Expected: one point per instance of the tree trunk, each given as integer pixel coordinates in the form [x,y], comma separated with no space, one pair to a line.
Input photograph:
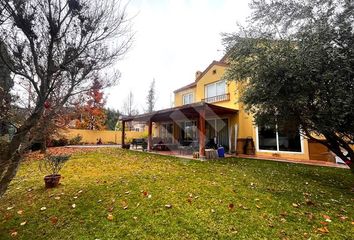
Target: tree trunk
[8,171]
[336,144]
[10,160]
[11,154]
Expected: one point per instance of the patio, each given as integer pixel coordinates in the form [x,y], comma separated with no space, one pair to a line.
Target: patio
[178,154]
[191,137]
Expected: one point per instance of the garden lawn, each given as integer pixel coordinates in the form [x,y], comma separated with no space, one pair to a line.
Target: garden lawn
[122,194]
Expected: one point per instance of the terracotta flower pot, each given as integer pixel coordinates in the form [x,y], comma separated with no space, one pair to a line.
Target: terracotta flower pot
[52,181]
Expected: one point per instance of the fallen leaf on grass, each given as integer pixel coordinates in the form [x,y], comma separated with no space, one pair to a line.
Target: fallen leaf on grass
[311,216]
[73,206]
[168,206]
[9,208]
[284,214]
[8,216]
[23,223]
[57,198]
[20,212]
[343,218]
[258,207]
[327,218]
[110,217]
[212,210]
[43,208]
[54,220]
[295,205]
[13,234]
[323,230]
[231,206]
[309,202]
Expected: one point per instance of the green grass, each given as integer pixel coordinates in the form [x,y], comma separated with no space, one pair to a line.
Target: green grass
[270,200]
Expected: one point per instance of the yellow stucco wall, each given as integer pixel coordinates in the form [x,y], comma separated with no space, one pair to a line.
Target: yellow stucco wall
[179,96]
[214,74]
[90,136]
[243,120]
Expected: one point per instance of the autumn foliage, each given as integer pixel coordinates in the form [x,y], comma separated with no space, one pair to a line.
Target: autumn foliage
[92,115]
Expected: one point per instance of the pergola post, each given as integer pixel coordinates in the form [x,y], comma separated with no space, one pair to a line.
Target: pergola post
[150,136]
[123,133]
[201,128]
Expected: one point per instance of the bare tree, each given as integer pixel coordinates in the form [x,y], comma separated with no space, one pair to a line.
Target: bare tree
[151,97]
[129,106]
[58,46]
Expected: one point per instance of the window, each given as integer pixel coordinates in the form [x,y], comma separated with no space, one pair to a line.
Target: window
[285,138]
[215,89]
[166,131]
[189,130]
[267,138]
[187,98]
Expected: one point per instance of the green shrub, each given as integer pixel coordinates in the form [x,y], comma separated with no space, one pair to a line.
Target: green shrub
[52,164]
[63,141]
[75,140]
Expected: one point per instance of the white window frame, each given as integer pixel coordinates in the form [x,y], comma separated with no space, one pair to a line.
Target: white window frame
[214,83]
[190,97]
[277,141]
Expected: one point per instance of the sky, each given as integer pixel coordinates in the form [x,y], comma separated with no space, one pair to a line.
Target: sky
[173,39]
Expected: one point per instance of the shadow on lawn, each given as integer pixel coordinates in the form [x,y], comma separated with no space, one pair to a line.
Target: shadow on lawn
[336,178]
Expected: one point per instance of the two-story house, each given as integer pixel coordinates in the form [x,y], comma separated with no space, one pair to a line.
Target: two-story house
[208,113]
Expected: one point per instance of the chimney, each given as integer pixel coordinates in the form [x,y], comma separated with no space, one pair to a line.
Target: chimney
[197,74]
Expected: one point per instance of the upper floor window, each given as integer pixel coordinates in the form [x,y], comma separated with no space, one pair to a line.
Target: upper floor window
[215,89]
[187,98]
[216,92]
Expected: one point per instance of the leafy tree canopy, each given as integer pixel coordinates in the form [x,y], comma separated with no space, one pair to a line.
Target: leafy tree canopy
[296,61]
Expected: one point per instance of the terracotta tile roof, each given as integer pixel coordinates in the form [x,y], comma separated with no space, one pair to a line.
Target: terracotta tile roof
[219,63]
[193,84]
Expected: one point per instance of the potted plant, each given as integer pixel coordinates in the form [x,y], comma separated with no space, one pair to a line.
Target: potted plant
[53,164]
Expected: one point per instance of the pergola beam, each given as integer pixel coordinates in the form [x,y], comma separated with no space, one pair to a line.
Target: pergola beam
[149,135]
[123,133]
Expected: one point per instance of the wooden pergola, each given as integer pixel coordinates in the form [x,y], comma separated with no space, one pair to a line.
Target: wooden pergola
[200,111]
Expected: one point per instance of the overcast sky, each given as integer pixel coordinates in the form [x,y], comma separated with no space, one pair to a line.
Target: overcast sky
[173,40]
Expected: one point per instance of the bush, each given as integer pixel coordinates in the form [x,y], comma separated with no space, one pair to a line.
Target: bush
[75,140]
[59,142]
[52,164]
